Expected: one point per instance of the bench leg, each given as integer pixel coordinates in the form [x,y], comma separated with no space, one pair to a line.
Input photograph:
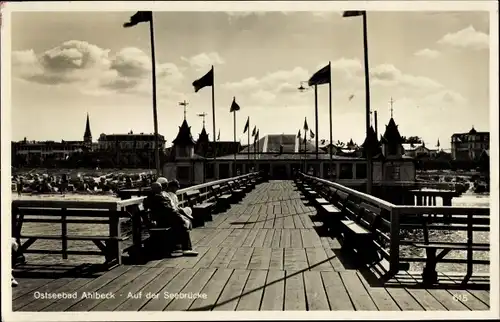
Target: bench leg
[208,215]
[368,251]
[429,274]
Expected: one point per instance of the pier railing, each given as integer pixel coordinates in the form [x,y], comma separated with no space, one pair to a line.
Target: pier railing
[413,226]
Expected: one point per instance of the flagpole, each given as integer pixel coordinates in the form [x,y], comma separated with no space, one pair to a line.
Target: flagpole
[155,113]
[305,152]
[255,151]
[248,139]
[234,133]
[258,146]
[300,148]
[213,114]
[367,99]
[330,109]
[316,118]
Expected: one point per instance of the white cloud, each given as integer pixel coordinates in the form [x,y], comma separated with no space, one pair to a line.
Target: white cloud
[466,38]
[427,53]
[447,97]
[389,75]
[203,61]
[94,70]
[347,77]
[245,13]
[283,80]
[263,96]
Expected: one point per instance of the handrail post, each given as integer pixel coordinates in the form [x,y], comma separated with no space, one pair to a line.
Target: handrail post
[394,244]
[64,234]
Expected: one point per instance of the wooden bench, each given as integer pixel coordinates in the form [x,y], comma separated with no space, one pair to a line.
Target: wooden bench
[202,210]
[236,191]
[310,193]
[222,197]
[246,184]
[359,231]
[429,274]
[110,245]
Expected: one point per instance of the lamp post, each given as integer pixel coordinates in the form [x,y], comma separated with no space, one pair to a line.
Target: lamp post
[302,89]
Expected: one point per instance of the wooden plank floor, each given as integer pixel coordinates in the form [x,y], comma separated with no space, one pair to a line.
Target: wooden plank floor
[265,253]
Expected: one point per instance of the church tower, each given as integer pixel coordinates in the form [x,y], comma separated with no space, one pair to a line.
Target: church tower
[87,136]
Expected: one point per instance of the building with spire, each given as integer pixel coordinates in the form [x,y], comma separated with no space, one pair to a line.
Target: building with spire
[48,153]
[183,162]
[392,164]
[87,135]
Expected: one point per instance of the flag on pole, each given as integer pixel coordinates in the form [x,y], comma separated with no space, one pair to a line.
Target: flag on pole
[218,136]
[353,13]
[247,125]
[254,132]
[234,106]
[138,17]
[206,80]
[322,76]
[311,134]
[306,127]
[299,134]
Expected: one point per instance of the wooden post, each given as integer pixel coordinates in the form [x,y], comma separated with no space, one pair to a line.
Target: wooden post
[113,246]
[64,234]
[394,243]
[470,234]
[447,202]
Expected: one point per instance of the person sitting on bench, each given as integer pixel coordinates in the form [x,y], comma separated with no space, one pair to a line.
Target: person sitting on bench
[184,218]
[15,246]
[166,213]
[164,183]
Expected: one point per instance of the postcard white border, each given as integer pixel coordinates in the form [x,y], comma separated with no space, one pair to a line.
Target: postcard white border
[491,6]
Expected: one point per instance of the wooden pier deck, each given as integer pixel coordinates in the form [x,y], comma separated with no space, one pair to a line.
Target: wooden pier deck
[265,253]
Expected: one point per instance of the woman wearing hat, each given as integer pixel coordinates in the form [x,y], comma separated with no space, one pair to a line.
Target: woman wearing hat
[166,212]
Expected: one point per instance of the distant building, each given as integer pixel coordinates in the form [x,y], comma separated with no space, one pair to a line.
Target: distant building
[36,153]
[279,155]
[416,150]
[393,165]
[28,151]
[129,142]
[470,145]
[110,150]
[183,163]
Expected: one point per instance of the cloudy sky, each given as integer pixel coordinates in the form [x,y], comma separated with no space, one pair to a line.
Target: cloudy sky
[68,64]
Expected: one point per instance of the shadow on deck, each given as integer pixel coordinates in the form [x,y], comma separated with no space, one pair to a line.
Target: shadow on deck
[266,253]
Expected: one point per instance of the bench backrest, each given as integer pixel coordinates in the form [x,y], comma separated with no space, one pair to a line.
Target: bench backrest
[369,215]
[342,196]
[192,197]
[225,188]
